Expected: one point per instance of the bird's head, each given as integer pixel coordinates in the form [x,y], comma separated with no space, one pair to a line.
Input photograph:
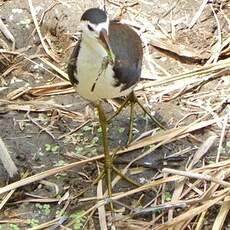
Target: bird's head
[95,24]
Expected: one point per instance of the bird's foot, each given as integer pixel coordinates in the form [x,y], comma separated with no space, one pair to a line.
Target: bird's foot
[106,174]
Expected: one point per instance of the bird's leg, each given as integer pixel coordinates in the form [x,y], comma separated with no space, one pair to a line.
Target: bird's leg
[108,159]
[131,122]
[124,103]
[108,163]
[133,99]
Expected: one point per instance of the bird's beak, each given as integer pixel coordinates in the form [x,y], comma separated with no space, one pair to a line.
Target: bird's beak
[105,41]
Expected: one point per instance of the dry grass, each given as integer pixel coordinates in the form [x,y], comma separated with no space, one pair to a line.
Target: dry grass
[202,187]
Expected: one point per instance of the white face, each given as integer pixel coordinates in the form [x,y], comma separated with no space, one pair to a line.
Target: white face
[93,30]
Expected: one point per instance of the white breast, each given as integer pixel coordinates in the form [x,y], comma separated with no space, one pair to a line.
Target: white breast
[90,72]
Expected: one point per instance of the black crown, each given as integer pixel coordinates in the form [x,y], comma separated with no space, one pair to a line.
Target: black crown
[94,15]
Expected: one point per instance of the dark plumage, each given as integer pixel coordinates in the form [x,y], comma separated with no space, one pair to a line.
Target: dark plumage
[72,66]
[128,55]
[94,16]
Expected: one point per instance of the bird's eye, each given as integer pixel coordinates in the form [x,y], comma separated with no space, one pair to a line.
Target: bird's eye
[90,28]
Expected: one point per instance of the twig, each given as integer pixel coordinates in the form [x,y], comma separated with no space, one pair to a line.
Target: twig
[191,213]
[49,53]
[50,7]
[169,11]
[218,45]
[75,130]
[206,145]
[225,122]
[39,126]
[7,33]
[197,15]
[161,207]
[6,159]
[197,176]
[101,209]
[6,198]
[202,72]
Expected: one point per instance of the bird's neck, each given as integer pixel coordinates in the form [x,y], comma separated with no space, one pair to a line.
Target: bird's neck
[93,45]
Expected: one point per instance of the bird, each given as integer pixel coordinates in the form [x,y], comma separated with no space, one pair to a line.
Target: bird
[106,63]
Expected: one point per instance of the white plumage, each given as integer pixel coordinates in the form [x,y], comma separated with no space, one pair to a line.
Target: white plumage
[89,68]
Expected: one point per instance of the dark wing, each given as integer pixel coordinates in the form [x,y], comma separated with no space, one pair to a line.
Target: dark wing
[72,65]
[127,48]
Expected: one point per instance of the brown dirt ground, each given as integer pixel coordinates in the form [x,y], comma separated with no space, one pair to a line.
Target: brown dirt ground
[35,150]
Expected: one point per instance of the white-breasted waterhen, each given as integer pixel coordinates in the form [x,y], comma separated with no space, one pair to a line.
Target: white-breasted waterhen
[106,63]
